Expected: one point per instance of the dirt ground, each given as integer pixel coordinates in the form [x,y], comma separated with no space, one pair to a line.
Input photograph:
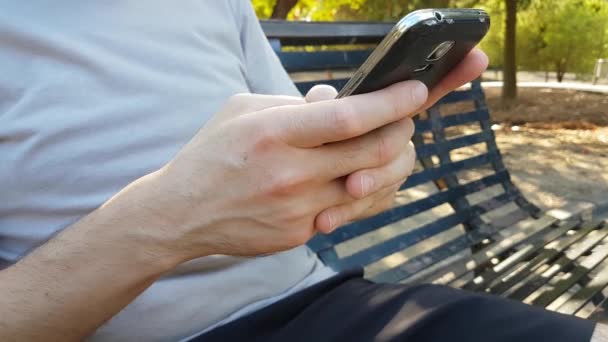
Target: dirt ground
[555,143]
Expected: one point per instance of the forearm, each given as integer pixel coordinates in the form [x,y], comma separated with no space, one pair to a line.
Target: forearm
[69,286]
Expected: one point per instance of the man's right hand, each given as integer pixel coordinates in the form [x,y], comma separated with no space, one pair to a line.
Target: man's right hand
[270,171]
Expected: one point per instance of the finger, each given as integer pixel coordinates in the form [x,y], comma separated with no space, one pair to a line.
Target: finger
[321,92]
[323,195]
[318,123]
[384,201]
[246,102]
[372,150]
[240,104]
[466,71]
[331,218]
[365,182]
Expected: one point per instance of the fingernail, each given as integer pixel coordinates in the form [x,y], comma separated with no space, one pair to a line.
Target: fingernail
[367,183]
[331,220]
[419,93]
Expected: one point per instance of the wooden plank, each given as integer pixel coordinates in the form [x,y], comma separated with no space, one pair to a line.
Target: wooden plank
[325,33]
[518,235]
[590,290]
[580,269]
[599,312]
[540,278]
[516,275]
[508,264]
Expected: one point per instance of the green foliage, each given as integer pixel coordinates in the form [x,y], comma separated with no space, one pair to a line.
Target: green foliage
[552,35]
[263,8]
[563,35]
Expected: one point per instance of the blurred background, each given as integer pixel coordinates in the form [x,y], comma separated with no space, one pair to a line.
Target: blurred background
[546,86]
[556,39]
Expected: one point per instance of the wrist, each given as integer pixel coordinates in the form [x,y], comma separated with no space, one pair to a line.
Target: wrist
[165,220]
[142,223]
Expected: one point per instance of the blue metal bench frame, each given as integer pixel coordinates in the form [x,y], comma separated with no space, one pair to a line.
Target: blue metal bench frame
[518,268]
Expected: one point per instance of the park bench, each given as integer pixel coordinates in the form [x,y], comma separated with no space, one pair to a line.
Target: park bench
[458,219]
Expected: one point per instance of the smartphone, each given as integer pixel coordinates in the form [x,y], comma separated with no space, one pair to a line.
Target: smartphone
[425,45]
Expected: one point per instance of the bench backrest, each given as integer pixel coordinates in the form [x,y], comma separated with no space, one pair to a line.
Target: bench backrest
[460,196]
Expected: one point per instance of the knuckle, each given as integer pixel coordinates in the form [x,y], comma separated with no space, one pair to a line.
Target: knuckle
[297,123]
[284,183]
[386,148]
[343,119]
[262,139]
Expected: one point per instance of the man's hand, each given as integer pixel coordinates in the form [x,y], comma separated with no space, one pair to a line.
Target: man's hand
[269,172]
[269,178]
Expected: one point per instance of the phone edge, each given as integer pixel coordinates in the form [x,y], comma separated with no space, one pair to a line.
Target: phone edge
[404,25]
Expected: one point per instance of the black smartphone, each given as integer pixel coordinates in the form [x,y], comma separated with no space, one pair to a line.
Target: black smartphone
[425,45]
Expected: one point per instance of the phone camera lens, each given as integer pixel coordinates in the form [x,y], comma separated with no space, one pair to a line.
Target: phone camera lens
[440,51]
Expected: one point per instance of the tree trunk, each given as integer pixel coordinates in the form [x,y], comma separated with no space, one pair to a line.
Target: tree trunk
[509,89]
[282,8]
[559,71]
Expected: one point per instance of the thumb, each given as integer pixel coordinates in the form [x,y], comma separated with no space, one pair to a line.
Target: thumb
[321,92]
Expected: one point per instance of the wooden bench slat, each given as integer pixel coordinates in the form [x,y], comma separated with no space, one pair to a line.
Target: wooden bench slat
[508,264]
[518,236]
[513,277]
[323,60]
[440,171]
[588,292]
[579,270]
[540,277]
[427,150]
[325,33]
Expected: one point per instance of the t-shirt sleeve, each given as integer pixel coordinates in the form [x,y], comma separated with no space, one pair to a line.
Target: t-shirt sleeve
[264,72]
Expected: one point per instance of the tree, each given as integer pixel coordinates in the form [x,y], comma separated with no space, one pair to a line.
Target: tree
[282,8]
[509,88]
[564,35]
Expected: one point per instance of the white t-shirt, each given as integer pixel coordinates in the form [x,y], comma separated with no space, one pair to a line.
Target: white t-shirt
[95,94]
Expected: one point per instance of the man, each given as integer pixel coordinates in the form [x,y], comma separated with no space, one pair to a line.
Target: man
[142,200]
